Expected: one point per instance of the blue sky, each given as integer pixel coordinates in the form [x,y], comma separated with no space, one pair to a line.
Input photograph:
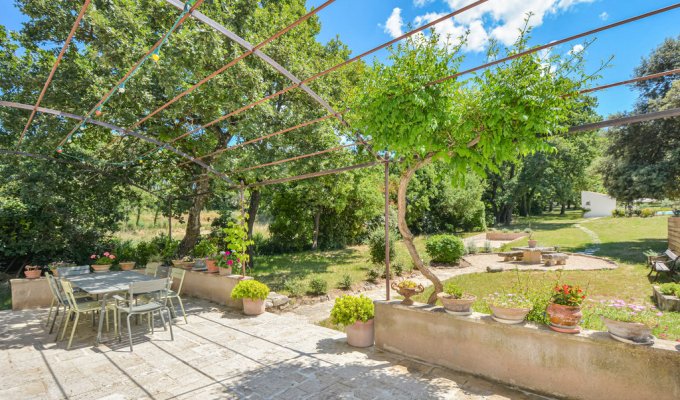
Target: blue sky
[362,24]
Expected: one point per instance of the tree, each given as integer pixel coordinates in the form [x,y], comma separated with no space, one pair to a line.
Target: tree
[491,118]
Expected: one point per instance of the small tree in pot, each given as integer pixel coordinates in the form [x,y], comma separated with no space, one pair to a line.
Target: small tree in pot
[564,309]
[356,314]
[455,301]
[253,294]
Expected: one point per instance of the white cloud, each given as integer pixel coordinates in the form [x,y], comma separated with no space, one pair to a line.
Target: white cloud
[394,23]
[604,16]
[421,3]
[450,33]
[576,49]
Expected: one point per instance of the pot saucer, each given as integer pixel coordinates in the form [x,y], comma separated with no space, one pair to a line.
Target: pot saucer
[459,313]
[564,329]
[507,321]
[649,342]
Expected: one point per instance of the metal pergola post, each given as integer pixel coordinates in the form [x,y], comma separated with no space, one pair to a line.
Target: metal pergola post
[387,227]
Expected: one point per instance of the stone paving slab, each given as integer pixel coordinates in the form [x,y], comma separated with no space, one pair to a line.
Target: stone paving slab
[220,354]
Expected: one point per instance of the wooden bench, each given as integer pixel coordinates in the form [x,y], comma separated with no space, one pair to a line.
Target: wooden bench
[669,266]
[555,258]
[510,255]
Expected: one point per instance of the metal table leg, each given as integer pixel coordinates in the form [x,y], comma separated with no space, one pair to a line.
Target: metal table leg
[101,320]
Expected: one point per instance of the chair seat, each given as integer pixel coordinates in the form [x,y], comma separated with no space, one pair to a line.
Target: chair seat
[87,306]
[142,308]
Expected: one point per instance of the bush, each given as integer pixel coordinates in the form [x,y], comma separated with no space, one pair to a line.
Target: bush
[125,251]
[445,248]
[488,248]
[637,212]
[345,283]
[618,212]
[472,248]
[372,275]
[397,267]
[383,273]
[376,245]
[145,251]
[318,286]
[250,289]
[349,309]
[670,289]
[295,287]
[205,248]
[647,212]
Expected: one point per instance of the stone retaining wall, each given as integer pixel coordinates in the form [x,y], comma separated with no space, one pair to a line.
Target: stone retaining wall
[495,235]
[674,234]
[590,365]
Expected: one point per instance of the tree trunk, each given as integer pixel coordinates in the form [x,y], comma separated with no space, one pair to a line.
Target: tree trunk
[550,205]
[155,216]
[193,230]
[253,206]
[562,209]
[317,219]
[406,232]
[139,214]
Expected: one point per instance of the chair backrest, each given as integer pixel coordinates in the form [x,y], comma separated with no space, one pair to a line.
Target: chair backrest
[156,286]
[68,294]
[178,273]
[73,271]
[55,289]
[151,269]
[672,256]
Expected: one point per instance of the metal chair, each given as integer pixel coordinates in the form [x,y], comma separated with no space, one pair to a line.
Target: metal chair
[177,273]
[156,289]
[64,272]
[76,308]
[151,269]
[59,300]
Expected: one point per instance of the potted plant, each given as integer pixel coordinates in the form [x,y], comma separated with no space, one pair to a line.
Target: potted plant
[32,271]
[226,261]
[53,266]
[356,314]
[407,289]
[630,323]
[102,263]
[126,255]
[564,310]
[509,308]
[532,242]
[211,263]
[455,301]
[206,250]
[253,294]
[186,262]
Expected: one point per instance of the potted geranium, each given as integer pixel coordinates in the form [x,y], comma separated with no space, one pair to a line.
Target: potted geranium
[53,266]
[253,294]
[455,301]
[32,271]
[356,314]
[564,310]
[226,261]
[630,323]
[509,308]
[407,289]
[102,263]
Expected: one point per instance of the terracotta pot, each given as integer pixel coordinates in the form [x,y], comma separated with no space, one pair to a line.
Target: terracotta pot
[33,273]
[360,334]
[564,319]
[127,265]
[630,332]
[533,243]
[253,306]
[101,268]
[457,306]
[407,292]
[509,315]
[212,266]
[225,271]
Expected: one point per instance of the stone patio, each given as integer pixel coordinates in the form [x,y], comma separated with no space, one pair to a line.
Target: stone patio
[220,354]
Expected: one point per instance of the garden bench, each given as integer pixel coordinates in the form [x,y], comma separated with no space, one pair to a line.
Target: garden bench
[555,258]
[668,266]
[509,255]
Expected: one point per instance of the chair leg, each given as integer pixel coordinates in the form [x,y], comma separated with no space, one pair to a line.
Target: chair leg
[73,331]
[172,337]
[181,305]
[63,331]
[129,331]
[106,316]
[160,312]
[149,318]
[173,314]
[64,319]
[50,313]
[120,325]
[56,315]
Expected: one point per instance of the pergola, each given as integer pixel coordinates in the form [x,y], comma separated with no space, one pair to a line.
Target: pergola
[190,10]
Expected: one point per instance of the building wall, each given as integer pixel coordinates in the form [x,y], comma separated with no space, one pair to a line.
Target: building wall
[674,234]
[600,205]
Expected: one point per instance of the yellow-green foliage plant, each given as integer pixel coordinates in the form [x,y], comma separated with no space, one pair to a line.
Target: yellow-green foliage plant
[349,309]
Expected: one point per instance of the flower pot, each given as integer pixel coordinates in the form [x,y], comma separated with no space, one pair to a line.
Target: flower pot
[564,319]
[360,334]
[407,292]
[212,266]
[33,273]
[629,332]
[127,265]
[533,243]
[101,268]
[457,306]
[253,306]
[225,271]
[509,315]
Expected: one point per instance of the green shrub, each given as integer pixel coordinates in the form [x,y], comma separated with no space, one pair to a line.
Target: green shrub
[125,251]
[670,289]
[349,309]
[295,287]
[453,290]
[637,212]
[618,212]
[345,282]
[383,272]
[250,289]
[488,248]
[318,286]
[647,212]
[472,248]
[372,275]
[376,245]
[205,248]
[145,252]
[397,267]
[445,248]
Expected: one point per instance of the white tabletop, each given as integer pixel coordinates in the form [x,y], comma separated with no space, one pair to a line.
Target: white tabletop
[107,282]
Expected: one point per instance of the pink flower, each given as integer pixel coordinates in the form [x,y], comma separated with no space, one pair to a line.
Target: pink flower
[659,314]
[230,262]
[226,253]
[112,257]
[93,256]
[106,254]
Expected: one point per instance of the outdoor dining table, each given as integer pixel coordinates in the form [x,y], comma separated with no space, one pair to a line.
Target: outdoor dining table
[532,255]
[104,284]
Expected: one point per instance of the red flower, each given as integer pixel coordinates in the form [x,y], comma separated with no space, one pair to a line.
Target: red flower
[230,262]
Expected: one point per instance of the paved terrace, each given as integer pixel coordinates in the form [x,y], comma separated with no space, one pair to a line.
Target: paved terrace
[220,354]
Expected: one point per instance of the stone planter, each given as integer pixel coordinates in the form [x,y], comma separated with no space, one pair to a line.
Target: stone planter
[101,268]
[127,265]
[211,265]
[533,243]
[407,292]
[564,319]
[253,306]
[629,332]
[360,334]
[665,302]
[188,265]
[509,315]
[457,306]
[225,271]
[32,273]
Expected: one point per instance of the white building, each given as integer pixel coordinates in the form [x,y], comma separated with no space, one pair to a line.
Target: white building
[598,204]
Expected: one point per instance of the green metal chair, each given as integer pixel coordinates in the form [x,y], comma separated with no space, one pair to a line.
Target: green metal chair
[177,273]
[59,300]
[151,269]
[76,308]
